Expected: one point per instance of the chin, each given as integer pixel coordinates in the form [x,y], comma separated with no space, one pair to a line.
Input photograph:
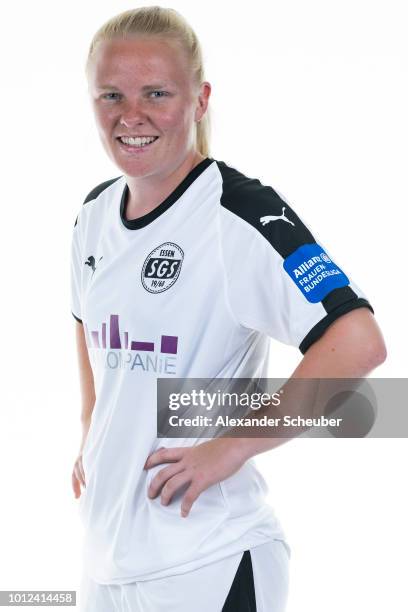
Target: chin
[137,170]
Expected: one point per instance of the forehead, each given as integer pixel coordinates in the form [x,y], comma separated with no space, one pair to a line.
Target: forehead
[141,57]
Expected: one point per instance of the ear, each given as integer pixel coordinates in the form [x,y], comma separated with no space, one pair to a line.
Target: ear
[202,100]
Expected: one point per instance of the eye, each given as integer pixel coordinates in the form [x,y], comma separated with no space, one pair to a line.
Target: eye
[105,96]
[162,93]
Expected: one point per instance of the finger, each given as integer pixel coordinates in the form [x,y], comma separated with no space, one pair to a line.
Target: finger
[173,485]
[76,486]
[81,469]
[78,473]
[164,455]
[151,455]
[162,477]
[189,498]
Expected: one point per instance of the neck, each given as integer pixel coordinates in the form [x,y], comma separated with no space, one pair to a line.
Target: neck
[145,194]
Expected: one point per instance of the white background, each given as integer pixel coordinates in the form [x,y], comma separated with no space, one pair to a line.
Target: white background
[310,97]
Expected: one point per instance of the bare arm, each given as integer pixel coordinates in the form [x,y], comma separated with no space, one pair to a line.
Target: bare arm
[88,402]
[86,381]
[350,348]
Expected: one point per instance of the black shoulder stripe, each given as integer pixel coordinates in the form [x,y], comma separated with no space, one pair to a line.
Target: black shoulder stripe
[96,191]
[99,188]
[264,209]
[76,318]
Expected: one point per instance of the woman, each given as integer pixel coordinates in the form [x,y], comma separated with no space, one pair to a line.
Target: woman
[183,267]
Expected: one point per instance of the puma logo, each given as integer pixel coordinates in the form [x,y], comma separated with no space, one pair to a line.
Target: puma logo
[91,263]
[269,218]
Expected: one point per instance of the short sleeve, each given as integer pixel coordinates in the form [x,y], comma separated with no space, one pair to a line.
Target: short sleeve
[76,272]
[79,239]
[280,279]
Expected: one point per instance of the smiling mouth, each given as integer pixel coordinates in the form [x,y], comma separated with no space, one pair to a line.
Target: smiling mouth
[137,141]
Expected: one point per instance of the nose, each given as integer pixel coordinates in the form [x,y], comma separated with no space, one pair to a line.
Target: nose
[133,114]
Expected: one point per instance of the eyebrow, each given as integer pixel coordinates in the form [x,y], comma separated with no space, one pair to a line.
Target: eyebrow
[144,88]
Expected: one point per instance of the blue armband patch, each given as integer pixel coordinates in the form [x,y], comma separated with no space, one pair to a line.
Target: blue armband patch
[314,272]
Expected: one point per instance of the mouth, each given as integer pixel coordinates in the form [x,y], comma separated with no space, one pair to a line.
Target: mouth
[136,142]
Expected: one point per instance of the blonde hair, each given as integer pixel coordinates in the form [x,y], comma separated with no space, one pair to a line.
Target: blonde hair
[167,23]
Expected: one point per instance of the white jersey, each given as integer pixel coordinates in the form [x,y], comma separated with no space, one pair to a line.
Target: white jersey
[193,289]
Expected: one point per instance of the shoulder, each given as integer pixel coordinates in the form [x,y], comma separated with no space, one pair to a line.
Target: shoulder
[262,208]
[96,192]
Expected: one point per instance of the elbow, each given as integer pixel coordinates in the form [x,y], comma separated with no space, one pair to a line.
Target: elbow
[379,353]
[373,353]
[366,337]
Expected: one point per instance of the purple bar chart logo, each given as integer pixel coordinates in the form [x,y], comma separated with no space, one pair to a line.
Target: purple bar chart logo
[98,339]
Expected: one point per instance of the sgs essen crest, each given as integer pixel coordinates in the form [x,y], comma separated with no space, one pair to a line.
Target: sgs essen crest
[162,267]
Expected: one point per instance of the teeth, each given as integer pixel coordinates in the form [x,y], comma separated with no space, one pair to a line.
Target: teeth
[137,142]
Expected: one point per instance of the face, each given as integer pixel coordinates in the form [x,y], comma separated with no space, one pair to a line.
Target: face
[143,87]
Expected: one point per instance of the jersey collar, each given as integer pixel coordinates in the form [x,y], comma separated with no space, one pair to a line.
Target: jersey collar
[140,222]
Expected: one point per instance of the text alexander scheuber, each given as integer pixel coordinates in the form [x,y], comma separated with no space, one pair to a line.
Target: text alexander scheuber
[254,401]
